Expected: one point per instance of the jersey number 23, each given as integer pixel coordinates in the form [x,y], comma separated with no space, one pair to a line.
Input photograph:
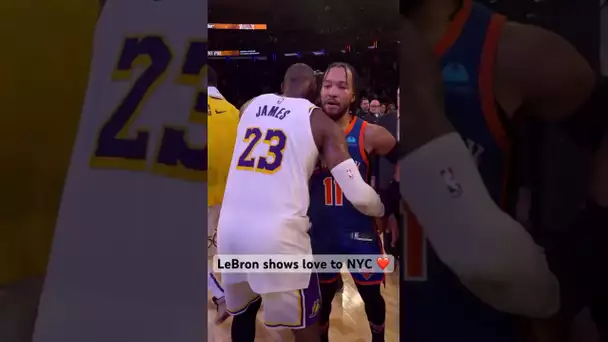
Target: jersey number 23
[175,156]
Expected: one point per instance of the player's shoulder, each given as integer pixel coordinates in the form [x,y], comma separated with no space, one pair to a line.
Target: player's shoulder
[542,65]
[528,36]
[372,129]
[528,45]
[231,107]
[280,100]
[262,98]
[377,136]
[266,96]
[248,103]
[303,104]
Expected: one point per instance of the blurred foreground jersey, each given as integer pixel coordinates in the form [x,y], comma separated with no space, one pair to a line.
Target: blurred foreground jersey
[46,48]
[437,306]
[128,257]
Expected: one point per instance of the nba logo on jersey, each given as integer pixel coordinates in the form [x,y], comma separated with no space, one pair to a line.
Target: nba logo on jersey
[351,141]
[350,174]
[453,186]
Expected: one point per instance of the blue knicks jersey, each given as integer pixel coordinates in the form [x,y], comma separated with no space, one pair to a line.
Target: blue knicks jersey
[437,307]
[332,216]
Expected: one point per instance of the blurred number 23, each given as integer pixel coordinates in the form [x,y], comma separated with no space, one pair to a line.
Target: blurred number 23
[175,156]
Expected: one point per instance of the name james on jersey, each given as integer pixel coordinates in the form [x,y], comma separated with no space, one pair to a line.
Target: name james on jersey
[274,111]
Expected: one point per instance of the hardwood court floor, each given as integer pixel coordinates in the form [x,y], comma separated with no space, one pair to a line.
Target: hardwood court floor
[348,322]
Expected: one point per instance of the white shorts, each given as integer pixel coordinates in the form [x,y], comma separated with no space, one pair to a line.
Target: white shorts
[296,309]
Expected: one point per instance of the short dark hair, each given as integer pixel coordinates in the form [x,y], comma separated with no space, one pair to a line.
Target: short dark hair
[212,79]
[347,67]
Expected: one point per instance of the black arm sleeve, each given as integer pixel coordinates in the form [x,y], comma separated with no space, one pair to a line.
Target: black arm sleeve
[374,162]
[391,198]
[396,153]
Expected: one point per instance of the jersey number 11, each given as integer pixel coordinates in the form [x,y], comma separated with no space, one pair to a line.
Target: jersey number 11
[333,193]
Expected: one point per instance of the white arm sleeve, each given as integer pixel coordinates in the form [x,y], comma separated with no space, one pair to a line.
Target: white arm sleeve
[492,254]
[214,286]
[360,194]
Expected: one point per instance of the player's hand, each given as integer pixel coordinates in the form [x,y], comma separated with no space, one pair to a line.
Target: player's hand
[222,311]
[388,224]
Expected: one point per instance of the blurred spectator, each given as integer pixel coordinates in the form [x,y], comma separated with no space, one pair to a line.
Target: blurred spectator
[363,107]
[375,108]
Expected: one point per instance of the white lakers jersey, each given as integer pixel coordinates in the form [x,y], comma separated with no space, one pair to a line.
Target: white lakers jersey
[127,260]
[266,198]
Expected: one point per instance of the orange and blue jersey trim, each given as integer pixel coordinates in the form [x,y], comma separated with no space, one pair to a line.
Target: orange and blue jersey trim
[454,29]
[362,145]
[350,126]
[488,98]
[362,150]
[415,263]
[486,79]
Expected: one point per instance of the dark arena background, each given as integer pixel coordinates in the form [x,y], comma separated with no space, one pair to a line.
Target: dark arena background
[252,61]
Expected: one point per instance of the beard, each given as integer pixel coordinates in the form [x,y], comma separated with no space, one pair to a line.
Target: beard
[335,111]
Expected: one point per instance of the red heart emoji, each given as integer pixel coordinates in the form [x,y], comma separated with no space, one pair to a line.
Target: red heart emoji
[383,262]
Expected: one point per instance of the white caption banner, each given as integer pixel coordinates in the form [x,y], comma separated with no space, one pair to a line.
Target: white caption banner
[320,263]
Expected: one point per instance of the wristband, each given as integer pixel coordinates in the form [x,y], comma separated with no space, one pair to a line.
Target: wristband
[391,198]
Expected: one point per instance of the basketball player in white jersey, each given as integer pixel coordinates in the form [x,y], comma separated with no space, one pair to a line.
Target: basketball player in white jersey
[222,120]
[127,262]
[279,140]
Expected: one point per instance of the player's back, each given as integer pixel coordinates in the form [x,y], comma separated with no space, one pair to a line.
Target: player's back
[274,156]
[223,121]
[134,199]
[44,67]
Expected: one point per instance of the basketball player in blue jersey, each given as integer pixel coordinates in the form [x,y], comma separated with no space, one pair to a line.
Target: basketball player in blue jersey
[337,226]
[313,135]
[480,287]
